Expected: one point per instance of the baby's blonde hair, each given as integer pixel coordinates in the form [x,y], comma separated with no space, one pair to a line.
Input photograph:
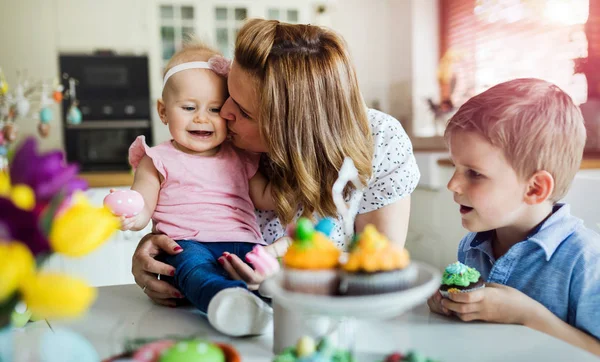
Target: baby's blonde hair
[193,50]
[535,124]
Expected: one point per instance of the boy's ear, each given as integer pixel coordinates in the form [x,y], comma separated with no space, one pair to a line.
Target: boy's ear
[162,110]
[539,188]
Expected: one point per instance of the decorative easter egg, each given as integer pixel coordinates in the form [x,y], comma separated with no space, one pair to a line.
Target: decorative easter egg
[10,132]
[43,129]
[3,88]
[151,352]
[124,202]
[304,229]
[325,226]
[46,115]
[74,116]
[2,140]
[306,346]
[57,95]
[23,106]
[63,345]
[193,351]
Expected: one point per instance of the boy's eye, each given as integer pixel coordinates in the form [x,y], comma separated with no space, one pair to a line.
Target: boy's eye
[474,174]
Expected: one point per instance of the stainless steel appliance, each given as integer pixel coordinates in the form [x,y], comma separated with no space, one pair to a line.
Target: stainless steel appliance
[114,98]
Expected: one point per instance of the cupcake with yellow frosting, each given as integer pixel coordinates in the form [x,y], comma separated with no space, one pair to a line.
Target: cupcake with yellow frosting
[375,265]
[311,260]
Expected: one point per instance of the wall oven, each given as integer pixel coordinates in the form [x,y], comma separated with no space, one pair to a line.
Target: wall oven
[114,98]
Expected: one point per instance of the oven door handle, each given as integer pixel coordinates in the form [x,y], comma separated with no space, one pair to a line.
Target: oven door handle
[141,123]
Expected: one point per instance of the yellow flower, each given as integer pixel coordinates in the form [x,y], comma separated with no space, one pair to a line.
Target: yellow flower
[50,295]
[21,195]
[82,228]
[16,264]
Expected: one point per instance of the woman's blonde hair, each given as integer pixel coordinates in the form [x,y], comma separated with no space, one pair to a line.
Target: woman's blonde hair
[311,113]
[535,124]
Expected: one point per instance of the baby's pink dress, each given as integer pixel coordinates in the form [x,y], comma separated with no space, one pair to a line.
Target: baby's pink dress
[203,198]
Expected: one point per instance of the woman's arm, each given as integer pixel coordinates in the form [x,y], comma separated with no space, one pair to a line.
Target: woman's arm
[260,192]
[391,220]
[147,183]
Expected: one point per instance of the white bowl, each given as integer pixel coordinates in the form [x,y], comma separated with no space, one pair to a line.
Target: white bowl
[377,306]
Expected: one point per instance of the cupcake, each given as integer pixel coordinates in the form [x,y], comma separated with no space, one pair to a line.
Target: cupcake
[375,266]
[310,261]
[459,278]
[307,350]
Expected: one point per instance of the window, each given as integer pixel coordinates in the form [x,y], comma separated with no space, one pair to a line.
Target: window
[486,42]
[176,22]
[281,14]
[228,22]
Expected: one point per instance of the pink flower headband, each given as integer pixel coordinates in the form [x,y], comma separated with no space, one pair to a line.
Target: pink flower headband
[216,63]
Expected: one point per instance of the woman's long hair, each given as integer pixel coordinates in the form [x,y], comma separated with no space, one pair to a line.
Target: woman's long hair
[311,112]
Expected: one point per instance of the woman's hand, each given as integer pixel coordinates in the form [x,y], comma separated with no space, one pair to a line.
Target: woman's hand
[145,268]
[239,270]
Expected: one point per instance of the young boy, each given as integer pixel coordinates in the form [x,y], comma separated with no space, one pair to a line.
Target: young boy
[516,148]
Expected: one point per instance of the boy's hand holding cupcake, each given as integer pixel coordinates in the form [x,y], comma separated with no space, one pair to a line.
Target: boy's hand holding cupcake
[464,293]
[495,303]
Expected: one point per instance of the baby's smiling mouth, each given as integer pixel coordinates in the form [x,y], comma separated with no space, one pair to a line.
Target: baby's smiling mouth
[201,133]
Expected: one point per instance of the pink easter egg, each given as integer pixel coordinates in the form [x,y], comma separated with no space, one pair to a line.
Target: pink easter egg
[124,202]
[151,352]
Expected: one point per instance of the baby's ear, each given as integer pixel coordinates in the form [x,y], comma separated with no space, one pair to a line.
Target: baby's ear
[539,188]
[162,110]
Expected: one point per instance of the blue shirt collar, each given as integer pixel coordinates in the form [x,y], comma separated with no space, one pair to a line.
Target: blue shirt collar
[548,235]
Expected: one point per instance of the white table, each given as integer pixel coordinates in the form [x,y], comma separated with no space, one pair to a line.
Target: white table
[124,311]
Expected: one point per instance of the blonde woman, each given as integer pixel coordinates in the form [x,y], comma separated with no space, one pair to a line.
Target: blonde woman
[294,97]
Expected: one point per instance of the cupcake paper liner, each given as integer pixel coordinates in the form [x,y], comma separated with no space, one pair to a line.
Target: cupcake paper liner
[446,293]
[322,282]
[378,282]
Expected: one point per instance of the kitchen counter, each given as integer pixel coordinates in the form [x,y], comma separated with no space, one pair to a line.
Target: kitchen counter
[108,179]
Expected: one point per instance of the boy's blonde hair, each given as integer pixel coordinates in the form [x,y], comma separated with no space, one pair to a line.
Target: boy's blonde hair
[311,113]
[535,124]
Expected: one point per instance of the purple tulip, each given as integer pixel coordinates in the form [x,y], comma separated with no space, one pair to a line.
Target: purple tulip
[47,174]
[21,225]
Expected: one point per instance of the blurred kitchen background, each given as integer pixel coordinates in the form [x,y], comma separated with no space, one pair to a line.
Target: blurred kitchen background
[417,60]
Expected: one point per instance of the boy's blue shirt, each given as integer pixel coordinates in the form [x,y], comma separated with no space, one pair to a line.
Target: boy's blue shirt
[558,265]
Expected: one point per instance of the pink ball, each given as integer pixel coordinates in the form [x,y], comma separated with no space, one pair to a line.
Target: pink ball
[124,202]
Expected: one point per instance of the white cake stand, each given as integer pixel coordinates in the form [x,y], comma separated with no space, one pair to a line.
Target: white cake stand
[378,306]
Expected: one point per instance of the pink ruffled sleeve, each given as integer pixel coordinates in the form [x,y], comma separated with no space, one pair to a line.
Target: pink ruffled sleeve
[138,150]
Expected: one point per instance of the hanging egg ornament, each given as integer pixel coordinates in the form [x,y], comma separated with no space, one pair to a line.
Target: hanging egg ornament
[2,139]
[74,116]
[3,151]
[3,87]
[43,129]
[23,106]
[10,132]
[57,96]
[46,115]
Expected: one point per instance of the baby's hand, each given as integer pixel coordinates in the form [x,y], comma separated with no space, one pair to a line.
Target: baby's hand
[435,304]
[127,223]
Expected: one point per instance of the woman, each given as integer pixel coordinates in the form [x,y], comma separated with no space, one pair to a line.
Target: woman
[294,97]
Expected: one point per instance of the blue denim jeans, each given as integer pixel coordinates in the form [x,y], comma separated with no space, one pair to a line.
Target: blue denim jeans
[198,273]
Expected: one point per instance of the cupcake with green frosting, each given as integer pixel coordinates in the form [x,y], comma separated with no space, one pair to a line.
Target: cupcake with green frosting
[459,278]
